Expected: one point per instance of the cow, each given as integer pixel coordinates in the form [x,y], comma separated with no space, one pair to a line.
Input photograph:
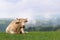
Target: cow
[17,26]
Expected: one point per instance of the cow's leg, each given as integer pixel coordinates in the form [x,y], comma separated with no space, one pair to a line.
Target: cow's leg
[22,30]
[13,32]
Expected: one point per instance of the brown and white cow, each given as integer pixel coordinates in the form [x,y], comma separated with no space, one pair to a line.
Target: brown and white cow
[16,26]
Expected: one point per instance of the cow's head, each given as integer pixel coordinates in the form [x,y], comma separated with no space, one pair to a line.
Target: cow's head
[22,21]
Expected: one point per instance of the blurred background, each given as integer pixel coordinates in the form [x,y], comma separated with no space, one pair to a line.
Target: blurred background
[42,15]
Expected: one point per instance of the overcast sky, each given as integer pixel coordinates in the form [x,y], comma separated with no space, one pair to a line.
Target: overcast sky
[29,8]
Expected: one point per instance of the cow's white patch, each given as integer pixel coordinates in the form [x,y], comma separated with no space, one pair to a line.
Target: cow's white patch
[12,32]
[22,30]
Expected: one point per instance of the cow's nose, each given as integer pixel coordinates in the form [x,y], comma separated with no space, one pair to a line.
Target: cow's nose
[23,26]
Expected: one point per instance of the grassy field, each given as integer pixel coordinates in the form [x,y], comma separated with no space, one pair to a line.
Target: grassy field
[31,36]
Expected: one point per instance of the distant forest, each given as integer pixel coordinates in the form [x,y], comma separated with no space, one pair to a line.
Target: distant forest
[5,22]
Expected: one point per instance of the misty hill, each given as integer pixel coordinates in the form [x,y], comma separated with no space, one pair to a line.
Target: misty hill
[4,22]
[33,25]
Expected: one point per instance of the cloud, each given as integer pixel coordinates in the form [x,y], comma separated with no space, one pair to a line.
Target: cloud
[28,8]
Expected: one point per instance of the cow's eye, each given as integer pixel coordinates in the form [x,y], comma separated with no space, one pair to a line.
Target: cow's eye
[26,21]
[17,22]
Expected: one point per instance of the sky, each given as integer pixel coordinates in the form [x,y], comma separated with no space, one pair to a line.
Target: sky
[29,8]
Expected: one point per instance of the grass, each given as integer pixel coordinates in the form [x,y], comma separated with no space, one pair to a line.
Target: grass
[31,36]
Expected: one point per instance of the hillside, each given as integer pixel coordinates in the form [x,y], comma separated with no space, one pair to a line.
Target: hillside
[33,25]
[4,22]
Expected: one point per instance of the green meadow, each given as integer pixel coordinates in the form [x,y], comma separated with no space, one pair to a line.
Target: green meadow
[31,36]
